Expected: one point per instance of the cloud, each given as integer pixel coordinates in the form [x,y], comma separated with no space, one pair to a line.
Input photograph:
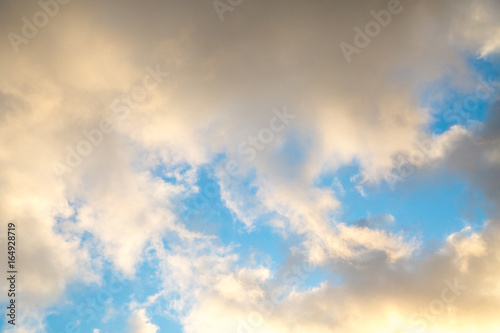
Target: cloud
[472,154]
[140,323]
[413,295]
[491,46]
[467,246]
[225,80]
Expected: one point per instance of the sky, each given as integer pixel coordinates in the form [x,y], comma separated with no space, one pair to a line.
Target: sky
[250,166]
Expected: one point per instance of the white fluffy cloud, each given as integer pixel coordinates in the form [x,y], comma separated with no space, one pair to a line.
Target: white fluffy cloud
[140,323]
[225,79]
[433,294]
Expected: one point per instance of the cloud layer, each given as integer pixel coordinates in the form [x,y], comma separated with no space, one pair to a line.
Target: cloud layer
[268,102]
